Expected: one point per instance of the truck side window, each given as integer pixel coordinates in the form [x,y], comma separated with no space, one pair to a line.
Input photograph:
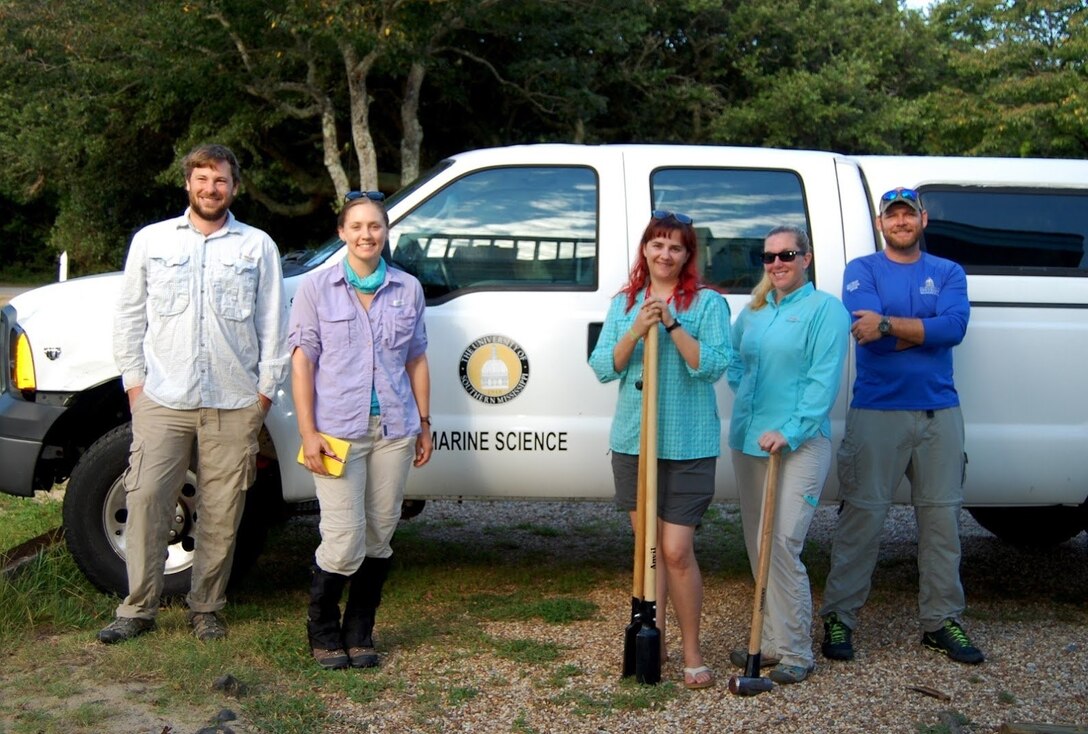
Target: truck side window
[733,210]
[1009,231]
[512,228]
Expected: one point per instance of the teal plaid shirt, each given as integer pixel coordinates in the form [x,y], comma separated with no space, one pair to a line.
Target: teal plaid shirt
[689,426]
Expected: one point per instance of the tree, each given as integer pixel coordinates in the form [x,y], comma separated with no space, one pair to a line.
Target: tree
[1018,76]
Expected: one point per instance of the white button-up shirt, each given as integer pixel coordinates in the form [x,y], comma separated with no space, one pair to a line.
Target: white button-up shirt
[201,320]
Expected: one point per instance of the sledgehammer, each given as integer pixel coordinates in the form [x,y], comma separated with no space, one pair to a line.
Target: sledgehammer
[751,684]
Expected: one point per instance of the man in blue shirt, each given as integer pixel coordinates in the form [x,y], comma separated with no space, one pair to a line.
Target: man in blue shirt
[910,309]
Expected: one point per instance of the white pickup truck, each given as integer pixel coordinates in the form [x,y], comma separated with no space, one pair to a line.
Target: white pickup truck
[519,250]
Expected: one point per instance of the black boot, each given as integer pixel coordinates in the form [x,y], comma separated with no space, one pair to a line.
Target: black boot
[323,619]
[364,596]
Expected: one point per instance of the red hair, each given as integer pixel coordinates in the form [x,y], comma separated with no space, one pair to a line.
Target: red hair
[689,282]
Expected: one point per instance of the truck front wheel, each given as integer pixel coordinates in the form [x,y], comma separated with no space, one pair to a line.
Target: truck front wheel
[95,521]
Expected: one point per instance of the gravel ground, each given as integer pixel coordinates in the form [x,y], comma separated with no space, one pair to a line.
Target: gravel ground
[1036,668]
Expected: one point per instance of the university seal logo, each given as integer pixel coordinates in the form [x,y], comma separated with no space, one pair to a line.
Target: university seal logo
[494,369]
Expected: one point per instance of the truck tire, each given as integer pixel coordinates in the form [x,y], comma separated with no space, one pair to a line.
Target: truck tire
[94,521]
[1031,527]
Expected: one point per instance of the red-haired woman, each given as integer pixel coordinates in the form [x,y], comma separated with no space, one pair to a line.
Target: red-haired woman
[664,292]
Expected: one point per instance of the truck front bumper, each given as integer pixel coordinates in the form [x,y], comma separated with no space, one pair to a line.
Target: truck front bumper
[23,427]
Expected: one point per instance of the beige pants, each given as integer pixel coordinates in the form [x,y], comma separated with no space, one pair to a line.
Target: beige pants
[162,444]
[360,510]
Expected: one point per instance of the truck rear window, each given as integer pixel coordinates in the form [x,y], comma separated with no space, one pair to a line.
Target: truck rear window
[1012,231]
[733,209]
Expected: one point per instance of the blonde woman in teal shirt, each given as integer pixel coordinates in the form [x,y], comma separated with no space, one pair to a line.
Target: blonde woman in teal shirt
[664,292]
[792,342]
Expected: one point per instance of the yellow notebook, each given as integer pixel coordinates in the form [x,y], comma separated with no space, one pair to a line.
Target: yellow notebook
[333,464]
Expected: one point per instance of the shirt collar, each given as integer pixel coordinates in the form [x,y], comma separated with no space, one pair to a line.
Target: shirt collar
[230,226]
[797,295]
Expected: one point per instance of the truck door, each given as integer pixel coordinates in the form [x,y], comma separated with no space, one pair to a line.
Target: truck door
[516,267]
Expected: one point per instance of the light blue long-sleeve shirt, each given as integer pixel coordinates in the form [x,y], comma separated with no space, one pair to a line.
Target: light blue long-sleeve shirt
[201,321]
[688,423]
[790,367]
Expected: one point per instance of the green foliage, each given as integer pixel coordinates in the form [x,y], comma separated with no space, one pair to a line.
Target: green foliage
[99,99]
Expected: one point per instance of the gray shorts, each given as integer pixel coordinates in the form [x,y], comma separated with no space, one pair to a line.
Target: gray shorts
[684,488]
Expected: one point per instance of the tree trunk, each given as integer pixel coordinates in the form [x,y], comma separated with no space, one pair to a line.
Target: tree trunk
[357,72]
[412,138]
[330,144]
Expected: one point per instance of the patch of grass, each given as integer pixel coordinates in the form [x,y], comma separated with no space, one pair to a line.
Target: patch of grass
[460,694]
[23,518]
[530,652]
[633,696]
[524,606]
[949,722]
[49,595]
[562,675]
[544,531]
[521,725]
[1006,699]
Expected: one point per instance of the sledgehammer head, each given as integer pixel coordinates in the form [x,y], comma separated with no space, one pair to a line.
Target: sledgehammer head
[740,685]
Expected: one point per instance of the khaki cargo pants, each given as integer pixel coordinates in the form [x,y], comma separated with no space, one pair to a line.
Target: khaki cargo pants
[162,443]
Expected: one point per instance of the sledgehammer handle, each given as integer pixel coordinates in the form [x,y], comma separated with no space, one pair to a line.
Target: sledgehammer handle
[766,530]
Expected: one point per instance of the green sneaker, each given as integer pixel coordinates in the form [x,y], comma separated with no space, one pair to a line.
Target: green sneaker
[953,642]
[838,639]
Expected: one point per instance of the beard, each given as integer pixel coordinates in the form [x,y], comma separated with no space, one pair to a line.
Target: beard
[213,213]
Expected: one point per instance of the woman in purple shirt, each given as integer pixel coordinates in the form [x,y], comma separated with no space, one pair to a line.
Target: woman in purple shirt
[359,373]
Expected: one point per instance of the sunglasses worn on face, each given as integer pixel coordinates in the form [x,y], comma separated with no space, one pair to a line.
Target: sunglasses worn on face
[662,214]
[786,256]
[372,195]
[908,195]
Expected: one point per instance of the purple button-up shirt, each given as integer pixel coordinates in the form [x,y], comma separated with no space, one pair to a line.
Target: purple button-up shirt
[353,349]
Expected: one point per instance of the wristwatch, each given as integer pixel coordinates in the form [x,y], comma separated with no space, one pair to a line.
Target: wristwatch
[885,326]
[675,325]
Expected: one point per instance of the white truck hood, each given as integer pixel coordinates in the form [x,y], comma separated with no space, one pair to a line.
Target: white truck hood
[70,327]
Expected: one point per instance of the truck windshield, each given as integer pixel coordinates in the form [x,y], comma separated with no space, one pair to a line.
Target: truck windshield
[304,260]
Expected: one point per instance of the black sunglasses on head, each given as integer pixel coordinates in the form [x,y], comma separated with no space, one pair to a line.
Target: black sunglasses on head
[372,195]
[662,214]
[786,256]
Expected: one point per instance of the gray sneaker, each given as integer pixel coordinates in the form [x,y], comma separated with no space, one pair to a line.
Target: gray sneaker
[786,674]
[207,626]
[739,657]
[125,628]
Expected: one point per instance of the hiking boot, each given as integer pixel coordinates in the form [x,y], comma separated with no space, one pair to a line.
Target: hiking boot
[786,674]
[331,659]
[953,642]
[838,639]
[363,657]
[125,628]
[739,657]
[207,626]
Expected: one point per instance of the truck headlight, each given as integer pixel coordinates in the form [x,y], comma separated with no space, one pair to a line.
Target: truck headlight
[22,364]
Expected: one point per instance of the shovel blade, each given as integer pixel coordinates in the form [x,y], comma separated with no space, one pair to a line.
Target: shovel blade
[648,647]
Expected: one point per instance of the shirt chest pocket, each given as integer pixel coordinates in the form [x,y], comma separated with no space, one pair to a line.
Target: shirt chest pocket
[398,326]
[234,286]
[168,279]
[340,342]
